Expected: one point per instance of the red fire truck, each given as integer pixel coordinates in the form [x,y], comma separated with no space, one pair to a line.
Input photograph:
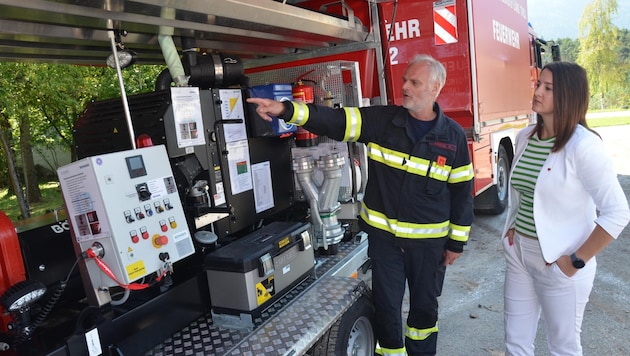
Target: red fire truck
[345,53]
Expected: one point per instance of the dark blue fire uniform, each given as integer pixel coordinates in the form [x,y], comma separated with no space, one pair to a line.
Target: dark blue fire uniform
[418,202]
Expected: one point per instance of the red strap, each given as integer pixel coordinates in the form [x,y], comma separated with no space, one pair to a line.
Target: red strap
[105,268]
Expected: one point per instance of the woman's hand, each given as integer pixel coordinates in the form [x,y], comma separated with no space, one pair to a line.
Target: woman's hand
[510,236]
[566,266]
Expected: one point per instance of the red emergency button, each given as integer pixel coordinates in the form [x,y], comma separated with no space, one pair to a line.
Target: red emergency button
[161,240]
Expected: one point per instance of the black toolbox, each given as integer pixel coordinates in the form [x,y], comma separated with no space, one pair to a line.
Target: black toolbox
[250,273]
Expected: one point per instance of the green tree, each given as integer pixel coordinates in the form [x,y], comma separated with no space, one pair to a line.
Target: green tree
[42,102]
[598,36]
[11,90]
[624,48]
[15,184]
[569,49]
[17,81]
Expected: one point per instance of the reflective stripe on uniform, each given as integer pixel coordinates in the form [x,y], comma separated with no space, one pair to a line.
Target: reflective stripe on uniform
[300,114]
[403,229]
[353,124]
[420,334]
[389,352]
[461,174]
[459,233]
[440,173]
[410,164]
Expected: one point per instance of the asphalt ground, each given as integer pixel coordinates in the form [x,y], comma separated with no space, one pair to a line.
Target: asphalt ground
[471,305]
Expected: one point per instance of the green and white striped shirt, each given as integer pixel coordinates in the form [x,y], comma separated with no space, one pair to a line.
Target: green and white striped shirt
[524,180]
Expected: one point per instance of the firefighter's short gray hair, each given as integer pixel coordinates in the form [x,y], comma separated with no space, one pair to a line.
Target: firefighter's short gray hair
[438,72]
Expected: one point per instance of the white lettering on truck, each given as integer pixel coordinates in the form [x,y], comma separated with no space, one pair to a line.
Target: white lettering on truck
[402,30]
[505,34]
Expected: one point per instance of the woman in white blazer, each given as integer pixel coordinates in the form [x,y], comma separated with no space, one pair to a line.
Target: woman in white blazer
[565,206]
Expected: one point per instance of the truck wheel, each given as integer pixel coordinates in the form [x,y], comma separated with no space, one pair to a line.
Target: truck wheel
[351,335]
[494,200]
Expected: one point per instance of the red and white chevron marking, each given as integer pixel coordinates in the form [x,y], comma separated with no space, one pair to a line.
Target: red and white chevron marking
[444,22]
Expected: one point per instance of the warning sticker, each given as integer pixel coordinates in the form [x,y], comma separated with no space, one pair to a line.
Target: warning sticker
[444,22]
[265,290]
[136,270]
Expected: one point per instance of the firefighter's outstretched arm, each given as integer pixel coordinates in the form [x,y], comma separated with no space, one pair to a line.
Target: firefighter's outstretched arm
[267,107]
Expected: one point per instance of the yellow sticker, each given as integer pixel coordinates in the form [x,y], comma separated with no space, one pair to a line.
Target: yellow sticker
[264,290]
[136,270]
[284,242]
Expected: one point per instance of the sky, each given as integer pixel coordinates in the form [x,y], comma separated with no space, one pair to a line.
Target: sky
[554,19]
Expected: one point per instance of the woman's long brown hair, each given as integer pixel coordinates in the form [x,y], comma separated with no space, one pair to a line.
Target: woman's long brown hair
[570,101]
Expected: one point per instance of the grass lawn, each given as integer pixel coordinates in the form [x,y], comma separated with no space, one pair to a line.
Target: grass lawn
[613,121]
[51,200]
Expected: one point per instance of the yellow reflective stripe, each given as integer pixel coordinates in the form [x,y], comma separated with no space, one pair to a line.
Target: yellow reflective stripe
[420,334]
[461,174]
[459,233]
[353,124]
[440,173]
[413,165]
[388,157]
[389,352]
[403,229]
[300,113]
[419,166]
[398,160]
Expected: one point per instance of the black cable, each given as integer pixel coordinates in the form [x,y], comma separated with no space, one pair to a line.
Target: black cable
[52,301]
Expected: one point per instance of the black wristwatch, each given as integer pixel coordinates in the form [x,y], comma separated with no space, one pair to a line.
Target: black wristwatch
[577,262]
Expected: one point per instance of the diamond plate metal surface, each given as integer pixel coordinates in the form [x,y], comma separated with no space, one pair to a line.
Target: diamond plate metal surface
[289,326]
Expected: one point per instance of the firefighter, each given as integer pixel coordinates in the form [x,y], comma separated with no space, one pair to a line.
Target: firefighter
[418,204]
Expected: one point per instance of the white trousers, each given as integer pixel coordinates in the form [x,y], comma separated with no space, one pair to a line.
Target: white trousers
[532,288]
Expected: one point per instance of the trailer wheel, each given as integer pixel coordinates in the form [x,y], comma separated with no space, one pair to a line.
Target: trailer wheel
[494,200]
[351,335]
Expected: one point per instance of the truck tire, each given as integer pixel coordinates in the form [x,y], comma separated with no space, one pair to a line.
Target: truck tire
[494,200]
[352,335]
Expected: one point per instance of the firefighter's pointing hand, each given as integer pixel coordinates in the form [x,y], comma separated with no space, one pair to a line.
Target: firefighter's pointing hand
[267,107]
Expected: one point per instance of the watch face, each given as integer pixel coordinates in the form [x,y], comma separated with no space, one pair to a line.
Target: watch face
[577,262]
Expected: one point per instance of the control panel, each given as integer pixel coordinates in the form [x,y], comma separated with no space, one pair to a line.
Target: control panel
[124,208]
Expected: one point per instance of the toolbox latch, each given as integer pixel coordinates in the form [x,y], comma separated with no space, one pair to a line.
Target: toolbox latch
[305,240]
[265,265]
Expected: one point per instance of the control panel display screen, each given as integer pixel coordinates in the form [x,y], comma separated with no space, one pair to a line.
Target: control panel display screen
[136,167]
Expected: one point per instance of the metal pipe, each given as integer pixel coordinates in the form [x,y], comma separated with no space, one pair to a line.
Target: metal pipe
[304,168]
[123,93]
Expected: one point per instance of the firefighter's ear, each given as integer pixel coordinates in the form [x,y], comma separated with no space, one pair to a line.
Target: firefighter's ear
[435,89]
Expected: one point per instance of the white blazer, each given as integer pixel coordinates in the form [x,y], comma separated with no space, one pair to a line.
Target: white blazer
[574,184]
